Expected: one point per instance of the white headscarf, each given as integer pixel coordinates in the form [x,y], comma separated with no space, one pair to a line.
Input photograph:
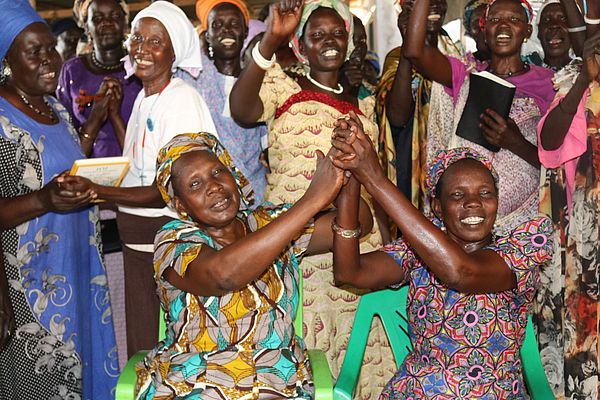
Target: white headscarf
[184,38]
[534,44]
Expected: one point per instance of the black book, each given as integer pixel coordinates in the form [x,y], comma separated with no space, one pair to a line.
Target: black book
[486,90]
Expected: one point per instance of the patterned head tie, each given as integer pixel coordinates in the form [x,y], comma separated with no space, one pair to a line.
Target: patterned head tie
[446,158]
[524,3]
[80,11]
[470,8]
[309,7]
[186,143]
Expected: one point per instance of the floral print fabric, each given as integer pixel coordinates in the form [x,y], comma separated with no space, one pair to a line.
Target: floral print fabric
[239,345]
[567,309]
[58,286]
[467,345]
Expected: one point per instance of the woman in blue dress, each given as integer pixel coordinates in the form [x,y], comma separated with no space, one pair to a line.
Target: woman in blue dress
[63,343]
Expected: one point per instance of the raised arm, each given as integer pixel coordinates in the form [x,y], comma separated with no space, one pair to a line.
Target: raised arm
[559,119]
[575,21]
[427,59]
[245,103]
[214,273]
[480,271]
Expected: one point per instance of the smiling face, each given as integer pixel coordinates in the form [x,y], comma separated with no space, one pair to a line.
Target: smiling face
[150,50]
[552,31]
[325,40]
[467,203]
[226,31]
[34,61]
[106,24]
[205,189]
[506,27]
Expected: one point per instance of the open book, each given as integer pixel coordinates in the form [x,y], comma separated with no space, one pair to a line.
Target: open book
[486,90]
[105,171]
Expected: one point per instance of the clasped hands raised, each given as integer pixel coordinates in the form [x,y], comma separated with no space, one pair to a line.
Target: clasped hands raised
[352,155]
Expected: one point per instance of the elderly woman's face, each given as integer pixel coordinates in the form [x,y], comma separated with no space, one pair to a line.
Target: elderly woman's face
[506,27]
[325,40]
[226,31]
[106,23]
[34,61]
[150,50]
[205,189]
[552,31]
[467,202]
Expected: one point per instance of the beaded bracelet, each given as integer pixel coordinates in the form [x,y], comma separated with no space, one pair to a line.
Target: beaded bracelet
[345,233]
[591,21]
[260,61]
[576,29]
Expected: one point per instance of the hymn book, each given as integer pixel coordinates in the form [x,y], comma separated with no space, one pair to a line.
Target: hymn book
[105,171]
[486,90]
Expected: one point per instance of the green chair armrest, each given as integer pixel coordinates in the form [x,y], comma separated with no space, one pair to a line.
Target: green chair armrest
[127,379]
[533,370]
[321,375]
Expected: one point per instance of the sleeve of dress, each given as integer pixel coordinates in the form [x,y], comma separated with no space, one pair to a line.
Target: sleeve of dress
[404,256]
[63,91]
[189,113]
[459,74]
[176,245]
[525,250]
[276,88]
[575,142]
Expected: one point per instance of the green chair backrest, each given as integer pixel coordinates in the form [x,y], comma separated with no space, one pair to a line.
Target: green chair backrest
[390,306]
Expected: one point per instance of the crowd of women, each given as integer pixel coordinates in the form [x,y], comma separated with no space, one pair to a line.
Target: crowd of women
[265,152]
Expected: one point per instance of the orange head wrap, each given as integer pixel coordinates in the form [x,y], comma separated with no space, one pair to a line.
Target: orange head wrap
[204,7]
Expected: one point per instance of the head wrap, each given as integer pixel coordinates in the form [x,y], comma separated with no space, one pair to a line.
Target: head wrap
[255,27]
[470,8]
[186,143]
[311,5]
[80,10]
[63,25]
[17,15]
[204,7]
[445,158]
[524,3]
[184,39]
[373,59]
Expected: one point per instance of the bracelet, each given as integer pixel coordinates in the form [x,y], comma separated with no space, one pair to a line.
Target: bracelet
[576,29]
[591,21]
[345,233]
[262,62]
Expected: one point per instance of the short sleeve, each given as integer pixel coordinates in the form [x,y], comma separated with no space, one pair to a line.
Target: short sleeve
[176,245]
[527,248]
[404,256]
[267,213]
[276,88]
[459,74]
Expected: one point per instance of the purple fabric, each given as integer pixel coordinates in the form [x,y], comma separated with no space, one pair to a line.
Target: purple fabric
[75,77]
[536,83]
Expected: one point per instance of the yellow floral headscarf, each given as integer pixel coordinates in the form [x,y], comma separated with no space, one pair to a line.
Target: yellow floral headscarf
[186,143]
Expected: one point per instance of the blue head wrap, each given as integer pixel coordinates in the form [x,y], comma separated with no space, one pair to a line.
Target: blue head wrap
[16,16]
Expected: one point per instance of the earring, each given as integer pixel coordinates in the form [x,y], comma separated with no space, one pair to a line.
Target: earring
[6,71]
[525,40]
[183,214]
[211,54]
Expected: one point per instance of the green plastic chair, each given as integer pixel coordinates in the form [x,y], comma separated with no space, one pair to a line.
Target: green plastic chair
[390,306]
[322,378]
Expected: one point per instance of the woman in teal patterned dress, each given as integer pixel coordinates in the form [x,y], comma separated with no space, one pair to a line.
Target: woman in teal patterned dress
[227,277]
